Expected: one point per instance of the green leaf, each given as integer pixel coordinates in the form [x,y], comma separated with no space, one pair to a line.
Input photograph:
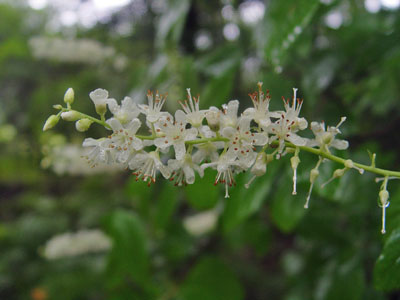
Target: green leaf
[244,202]
[128,261]
[166,205]
[387,267]
[221,67]
[196,195]
[284,22]
[211,279]
[341,280]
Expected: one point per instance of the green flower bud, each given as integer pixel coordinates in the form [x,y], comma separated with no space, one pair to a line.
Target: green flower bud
[69,96]
[71,115]
[83,125]
[384,196]
[313,175]
[51,122]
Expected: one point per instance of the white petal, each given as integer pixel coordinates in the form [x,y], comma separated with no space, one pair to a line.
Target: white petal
[162,142]
[174,164]
[260,139]
[115,124]
[228,132]
[113,105]
[189,174]
[90,142]
[180,117]
[302,123]
[180,150]
[99,96]
[190,134]
[137,144]
[296,140]
[133,126]
[165,171]
[340,144]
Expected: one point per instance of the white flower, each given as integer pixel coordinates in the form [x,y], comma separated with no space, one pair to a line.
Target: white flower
[153,109]
[242,140]
[229,116]
[260,112]
[99,98]
[125,112]
[194,115]
[224,166]
[325,138]
[72,244]
[289,123]
[123,141]
[175,134]
[145,166]
[98,152]
[183,170]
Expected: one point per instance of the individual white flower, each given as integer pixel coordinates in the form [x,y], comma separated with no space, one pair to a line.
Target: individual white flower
[98,151]
[183,170]
[243,141]
[123,141]
[153,109]
[99,98]
[260,112]
[125,112]
[175,134]
[289,123]
[72,244]
[145,167]
[325,138]
[194,115]
[229,114]
[225,164]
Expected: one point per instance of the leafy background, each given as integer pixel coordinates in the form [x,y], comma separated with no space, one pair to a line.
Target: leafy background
[343,55]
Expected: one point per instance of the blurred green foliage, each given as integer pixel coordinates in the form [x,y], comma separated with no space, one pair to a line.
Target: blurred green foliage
[265,245]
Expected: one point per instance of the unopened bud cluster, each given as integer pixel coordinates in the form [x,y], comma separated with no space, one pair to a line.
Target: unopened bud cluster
[193,139]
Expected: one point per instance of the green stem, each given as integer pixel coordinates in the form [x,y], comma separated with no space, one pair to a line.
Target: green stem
[342,161]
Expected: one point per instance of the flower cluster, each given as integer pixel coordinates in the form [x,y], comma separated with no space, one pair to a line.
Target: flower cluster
[75,51]
[179,146]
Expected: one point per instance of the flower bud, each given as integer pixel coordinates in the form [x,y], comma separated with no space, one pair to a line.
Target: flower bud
[313,175]
[294,161]
[212,116]
[383,197]
[339,172]
[83,125]
[99,98]
[71,115]
[57,106]
[51,122]
[69,96]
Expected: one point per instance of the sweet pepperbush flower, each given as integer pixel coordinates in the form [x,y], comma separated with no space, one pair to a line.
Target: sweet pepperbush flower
[175,134]
[230,142]
[325,138]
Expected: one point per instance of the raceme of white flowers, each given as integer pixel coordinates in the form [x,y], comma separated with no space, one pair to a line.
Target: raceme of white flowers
[73,244]
[75,51]
[193,139]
